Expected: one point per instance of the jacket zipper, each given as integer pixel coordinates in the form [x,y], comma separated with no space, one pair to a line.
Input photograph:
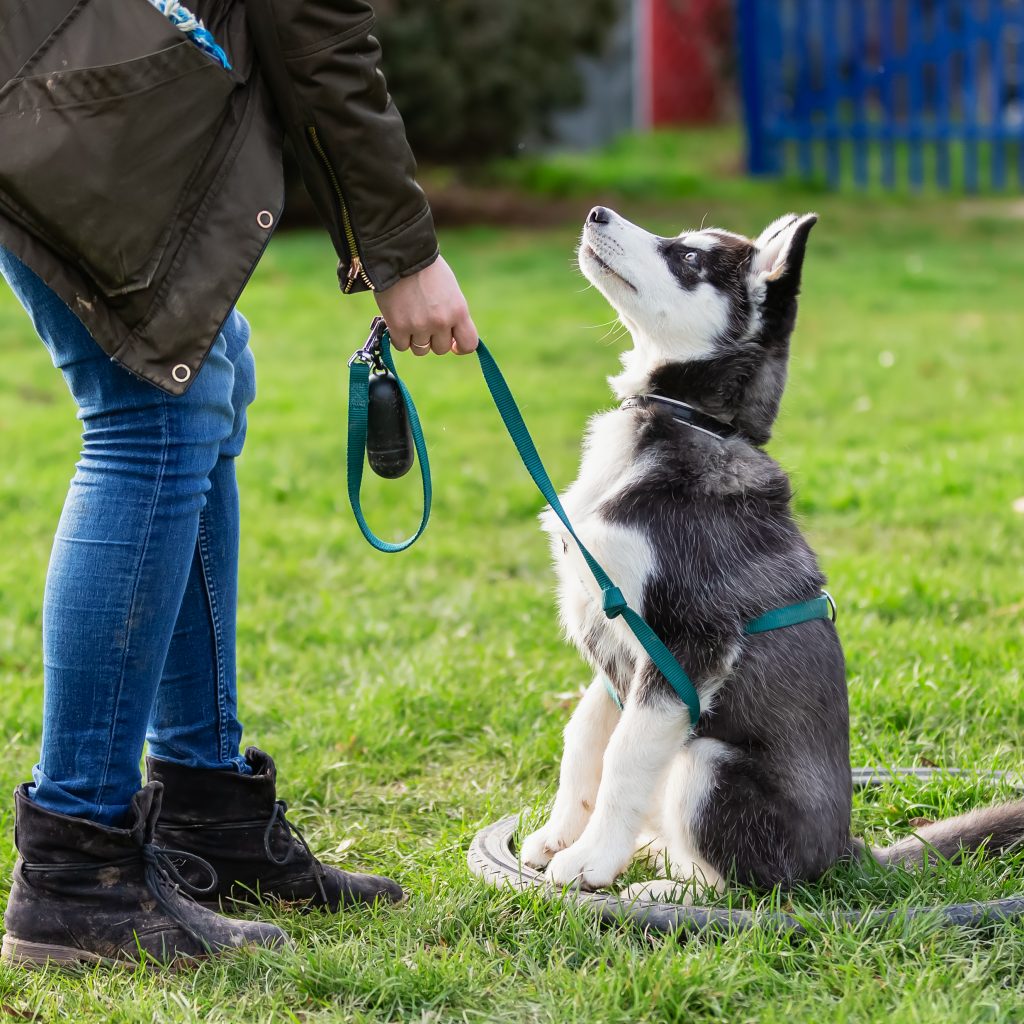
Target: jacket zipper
[356,271]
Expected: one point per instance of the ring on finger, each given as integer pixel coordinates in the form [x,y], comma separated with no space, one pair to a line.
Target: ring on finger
[421,348]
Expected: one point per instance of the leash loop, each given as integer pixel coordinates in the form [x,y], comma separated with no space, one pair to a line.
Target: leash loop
[375,357]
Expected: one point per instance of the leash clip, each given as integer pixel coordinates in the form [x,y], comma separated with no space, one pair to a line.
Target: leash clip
[369,354]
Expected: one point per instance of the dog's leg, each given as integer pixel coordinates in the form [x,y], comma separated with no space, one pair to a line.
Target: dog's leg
[638,755]
[586,737]
[690,781]
[651,848]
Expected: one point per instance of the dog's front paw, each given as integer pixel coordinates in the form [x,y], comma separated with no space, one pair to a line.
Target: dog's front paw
[589,867]
[539,847]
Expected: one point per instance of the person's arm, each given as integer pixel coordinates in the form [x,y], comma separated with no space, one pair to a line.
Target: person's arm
[322,65]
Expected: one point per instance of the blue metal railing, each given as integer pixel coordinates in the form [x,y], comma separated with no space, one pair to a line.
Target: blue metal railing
[905,92]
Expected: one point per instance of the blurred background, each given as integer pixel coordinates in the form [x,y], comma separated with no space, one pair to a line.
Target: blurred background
[895,95]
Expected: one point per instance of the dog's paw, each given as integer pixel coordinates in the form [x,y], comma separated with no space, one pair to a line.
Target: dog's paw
[539,847]
[589,867]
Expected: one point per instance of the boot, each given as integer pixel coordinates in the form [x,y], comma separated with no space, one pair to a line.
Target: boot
[86,893]
[237,823]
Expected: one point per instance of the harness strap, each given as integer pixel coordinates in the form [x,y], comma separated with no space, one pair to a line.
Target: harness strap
[612,601]
[820,607]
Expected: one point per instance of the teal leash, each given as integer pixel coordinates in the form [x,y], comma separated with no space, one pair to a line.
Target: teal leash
[375,357]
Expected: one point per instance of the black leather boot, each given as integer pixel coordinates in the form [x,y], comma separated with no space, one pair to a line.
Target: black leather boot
[85,893]
[237,823]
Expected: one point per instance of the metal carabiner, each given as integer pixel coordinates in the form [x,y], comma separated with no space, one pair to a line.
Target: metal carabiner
[370,352]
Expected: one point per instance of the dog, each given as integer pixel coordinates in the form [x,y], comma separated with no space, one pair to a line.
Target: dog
[693,520]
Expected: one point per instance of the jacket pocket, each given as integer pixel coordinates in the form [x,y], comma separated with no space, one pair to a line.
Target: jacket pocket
[97,161]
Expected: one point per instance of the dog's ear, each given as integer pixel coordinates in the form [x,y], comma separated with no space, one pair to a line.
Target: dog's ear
[779,253]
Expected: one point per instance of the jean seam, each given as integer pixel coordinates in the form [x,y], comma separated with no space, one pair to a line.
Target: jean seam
[217,632]
[131,604]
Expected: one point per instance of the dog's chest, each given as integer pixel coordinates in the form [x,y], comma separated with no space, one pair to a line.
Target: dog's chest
[609,464]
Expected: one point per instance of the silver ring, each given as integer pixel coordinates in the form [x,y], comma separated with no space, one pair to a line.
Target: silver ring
[181,373]
[421,348]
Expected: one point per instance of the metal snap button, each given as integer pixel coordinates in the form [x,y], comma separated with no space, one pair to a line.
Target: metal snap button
[265,219]
[181,373]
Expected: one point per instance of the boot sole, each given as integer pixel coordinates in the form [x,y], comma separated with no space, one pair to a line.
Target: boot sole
[20,953]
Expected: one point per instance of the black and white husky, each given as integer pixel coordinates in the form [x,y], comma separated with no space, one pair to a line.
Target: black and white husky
[694,524]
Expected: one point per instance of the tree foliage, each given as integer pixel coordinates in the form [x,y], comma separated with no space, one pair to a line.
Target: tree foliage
[479,78]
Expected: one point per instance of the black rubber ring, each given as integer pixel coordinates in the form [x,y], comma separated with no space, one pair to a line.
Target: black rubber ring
[492,857]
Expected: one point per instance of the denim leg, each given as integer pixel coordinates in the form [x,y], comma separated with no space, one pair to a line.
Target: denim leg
[121,556]
[195,717]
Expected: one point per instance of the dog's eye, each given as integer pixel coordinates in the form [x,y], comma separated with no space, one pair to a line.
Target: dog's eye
[693,258]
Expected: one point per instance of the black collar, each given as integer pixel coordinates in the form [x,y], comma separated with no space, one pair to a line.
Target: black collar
[684,413]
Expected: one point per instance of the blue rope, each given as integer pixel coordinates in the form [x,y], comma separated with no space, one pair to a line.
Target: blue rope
[182,18]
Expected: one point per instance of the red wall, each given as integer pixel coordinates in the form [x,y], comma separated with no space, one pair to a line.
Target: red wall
[686,44]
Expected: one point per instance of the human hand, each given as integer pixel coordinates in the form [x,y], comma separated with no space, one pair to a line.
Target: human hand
[427,312]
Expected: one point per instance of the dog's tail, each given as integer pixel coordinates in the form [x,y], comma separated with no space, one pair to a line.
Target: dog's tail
[997,829]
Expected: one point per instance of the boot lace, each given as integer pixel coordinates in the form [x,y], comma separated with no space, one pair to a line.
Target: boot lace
[295,838]
[167,884]
[162,876]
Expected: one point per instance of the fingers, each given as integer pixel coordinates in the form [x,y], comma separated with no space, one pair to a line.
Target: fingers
[424,340]
[427,312]
[465,335]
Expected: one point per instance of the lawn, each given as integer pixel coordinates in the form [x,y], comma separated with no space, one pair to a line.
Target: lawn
[411,699]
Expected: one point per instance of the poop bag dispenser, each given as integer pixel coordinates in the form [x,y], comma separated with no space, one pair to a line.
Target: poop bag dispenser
[389,444]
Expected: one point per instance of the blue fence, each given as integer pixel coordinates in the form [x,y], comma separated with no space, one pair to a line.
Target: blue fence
[905,92]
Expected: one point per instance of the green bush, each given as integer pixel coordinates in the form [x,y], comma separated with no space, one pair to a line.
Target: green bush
[476,79]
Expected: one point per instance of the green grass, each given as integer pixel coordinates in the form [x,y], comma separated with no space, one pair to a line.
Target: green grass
[411,699]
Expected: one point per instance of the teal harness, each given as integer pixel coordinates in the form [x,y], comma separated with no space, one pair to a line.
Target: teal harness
[375,358]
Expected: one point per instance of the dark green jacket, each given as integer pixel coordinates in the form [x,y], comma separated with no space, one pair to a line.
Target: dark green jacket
[142,181]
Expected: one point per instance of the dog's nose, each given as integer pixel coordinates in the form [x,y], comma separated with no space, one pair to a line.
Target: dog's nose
[599,215]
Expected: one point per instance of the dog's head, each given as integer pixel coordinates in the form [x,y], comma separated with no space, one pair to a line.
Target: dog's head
[710,312]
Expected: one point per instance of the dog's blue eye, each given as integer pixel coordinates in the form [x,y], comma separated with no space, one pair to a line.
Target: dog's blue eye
[692,258]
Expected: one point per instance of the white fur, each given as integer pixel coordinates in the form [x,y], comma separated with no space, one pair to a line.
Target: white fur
[608,465]
[635,761]
[586,737]
[688,784]
[773,245]
[667,322]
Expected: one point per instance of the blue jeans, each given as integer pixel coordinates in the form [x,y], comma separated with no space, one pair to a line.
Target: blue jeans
[139,608]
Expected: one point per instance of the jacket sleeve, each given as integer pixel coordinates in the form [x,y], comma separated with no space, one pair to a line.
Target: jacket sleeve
[322,65]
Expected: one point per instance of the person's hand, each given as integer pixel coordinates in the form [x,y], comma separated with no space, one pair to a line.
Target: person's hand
[427,312]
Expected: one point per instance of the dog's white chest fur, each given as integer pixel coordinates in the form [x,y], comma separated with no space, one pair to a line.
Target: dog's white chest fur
[609,464]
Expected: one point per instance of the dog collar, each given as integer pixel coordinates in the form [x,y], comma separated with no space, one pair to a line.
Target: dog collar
[684,413]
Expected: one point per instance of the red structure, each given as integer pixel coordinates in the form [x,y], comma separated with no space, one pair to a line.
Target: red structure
[686,47]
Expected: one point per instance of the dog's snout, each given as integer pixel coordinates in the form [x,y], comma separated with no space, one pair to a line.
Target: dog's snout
[599,215]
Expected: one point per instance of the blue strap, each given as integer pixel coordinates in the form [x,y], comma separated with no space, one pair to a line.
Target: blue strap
[612,692]
[820,607]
